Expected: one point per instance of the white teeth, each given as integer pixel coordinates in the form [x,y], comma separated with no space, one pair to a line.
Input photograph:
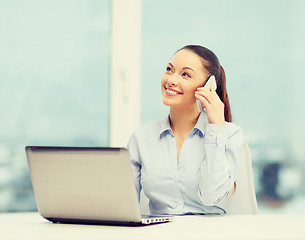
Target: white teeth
[171,92]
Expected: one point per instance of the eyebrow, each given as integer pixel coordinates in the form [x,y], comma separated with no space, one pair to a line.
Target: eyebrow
[171,65]
[189,69]
[182,68]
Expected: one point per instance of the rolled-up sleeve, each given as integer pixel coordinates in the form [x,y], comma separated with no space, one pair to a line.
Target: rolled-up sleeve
[223,146]
[135,163]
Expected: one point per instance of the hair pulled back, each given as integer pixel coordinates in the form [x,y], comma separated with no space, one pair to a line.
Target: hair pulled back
[213,67]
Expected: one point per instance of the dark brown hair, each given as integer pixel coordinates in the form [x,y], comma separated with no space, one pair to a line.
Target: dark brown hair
[212,65]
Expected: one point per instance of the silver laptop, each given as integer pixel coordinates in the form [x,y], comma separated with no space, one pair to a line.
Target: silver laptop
[86,185]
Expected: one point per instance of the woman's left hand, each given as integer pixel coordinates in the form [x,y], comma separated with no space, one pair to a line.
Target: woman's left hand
[214,107]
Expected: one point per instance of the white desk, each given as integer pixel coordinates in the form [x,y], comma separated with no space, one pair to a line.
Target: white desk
[31,226]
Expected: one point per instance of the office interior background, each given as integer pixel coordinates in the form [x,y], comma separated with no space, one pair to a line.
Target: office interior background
[55,79]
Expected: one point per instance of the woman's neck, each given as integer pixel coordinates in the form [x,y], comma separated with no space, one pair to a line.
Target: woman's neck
[183,120]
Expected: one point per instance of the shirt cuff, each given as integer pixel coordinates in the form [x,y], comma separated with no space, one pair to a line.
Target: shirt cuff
[216,134]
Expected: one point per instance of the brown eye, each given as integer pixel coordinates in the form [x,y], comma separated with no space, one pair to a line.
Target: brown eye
[186,75]
[168,69]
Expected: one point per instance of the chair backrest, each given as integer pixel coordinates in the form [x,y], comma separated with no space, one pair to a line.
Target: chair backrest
[243,200]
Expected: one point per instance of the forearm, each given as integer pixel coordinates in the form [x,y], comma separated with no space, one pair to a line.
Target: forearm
[219,168]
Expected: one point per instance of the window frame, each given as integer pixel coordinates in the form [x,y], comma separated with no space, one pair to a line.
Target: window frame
[125,70]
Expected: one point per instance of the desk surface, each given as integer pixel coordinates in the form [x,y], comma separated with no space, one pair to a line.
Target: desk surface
[32,226]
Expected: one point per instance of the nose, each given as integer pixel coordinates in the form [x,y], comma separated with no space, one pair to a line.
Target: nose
[172,80]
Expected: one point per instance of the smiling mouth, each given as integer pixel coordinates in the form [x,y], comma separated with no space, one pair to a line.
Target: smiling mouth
[172,92]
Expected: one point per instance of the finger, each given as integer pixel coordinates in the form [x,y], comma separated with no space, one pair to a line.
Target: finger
[208,91]
[205,102]
[205,93]
[214,94]
[212,88]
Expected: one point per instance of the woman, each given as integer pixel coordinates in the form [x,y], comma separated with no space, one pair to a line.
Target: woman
[187,163]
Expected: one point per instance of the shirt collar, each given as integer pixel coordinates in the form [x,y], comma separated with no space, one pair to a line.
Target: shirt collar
[200,125]
[165,126]
[202,122]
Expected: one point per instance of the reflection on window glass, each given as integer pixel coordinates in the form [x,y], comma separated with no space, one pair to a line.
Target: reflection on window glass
[261,47]
[54,71]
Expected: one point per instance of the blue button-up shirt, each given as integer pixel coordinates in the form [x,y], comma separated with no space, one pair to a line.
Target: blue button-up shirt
[205,172]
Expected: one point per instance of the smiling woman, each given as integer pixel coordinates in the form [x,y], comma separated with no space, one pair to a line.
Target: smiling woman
[187,163]
[180,79]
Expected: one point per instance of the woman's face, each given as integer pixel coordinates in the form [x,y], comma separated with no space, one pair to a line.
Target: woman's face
[183,75]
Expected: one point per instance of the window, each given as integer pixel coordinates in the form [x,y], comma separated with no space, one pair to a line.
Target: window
[54,90]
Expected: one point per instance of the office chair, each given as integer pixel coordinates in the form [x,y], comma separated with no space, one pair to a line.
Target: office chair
[243,200]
